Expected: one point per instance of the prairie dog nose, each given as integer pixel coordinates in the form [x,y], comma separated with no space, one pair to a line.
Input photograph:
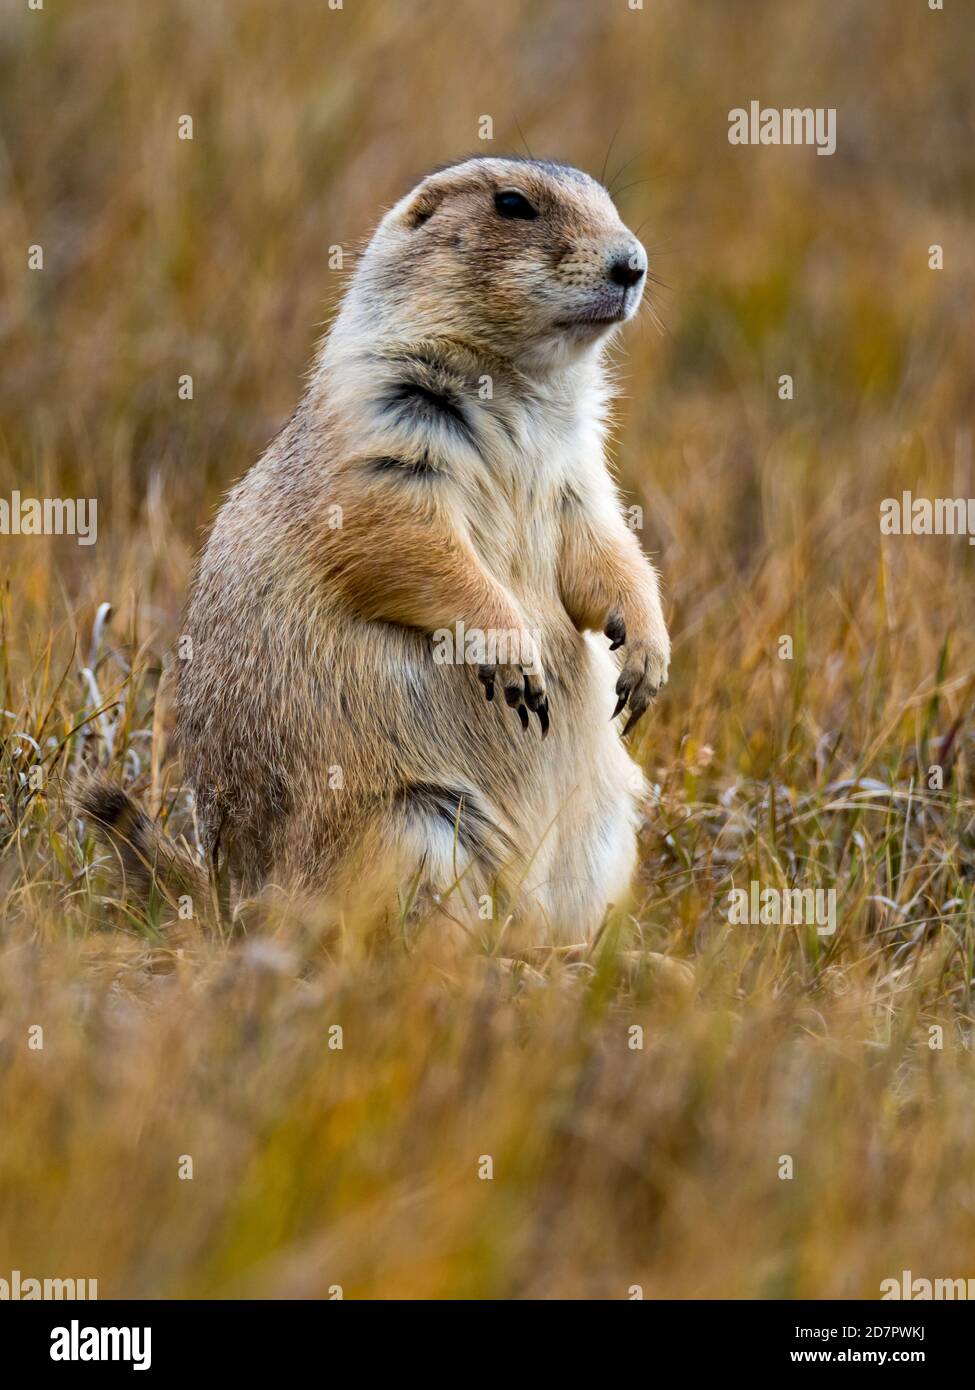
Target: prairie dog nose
[628,267]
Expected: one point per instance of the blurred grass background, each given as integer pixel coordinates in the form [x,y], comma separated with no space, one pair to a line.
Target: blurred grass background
[614,1167]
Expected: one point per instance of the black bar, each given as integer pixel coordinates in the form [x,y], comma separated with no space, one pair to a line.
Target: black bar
[264,1337]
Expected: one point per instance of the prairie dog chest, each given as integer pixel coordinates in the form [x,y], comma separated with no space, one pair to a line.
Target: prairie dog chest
[514,504]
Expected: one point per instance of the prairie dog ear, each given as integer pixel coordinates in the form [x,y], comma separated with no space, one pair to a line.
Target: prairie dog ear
[421,204]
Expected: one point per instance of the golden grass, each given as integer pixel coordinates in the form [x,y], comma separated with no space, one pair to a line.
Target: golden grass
[613,1166]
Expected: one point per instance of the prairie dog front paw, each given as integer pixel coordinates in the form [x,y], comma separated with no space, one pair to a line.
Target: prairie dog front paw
[646,664]
[523,688]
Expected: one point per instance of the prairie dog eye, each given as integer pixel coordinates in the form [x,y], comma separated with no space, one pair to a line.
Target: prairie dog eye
[514,205]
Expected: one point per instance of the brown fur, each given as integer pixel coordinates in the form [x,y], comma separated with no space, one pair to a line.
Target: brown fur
[446,465]
[149,860]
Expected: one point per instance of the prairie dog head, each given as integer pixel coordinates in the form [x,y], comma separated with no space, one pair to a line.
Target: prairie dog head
[527,259]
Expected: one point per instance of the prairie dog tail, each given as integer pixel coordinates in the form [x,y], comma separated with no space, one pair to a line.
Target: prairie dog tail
[148,858]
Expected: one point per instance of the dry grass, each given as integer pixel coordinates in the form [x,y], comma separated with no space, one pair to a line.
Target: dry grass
[613,1166]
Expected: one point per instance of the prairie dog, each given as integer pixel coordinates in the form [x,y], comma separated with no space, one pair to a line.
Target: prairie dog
[442,480]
